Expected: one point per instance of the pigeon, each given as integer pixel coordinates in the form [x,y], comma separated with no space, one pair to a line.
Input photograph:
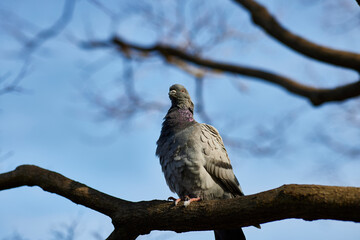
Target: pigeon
[193,158]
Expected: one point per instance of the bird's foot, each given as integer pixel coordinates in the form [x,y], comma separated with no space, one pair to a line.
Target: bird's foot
[189,200]
[176,200]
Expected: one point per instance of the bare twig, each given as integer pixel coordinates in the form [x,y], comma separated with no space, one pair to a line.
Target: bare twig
[13,86]
[31,44]
[16,25]
[66,231]
[352,152]
[5,155]
[125,105]
[200,104]
[104,8]
[53,30]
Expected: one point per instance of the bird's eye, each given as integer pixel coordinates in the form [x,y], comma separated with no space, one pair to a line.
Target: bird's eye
[182,90]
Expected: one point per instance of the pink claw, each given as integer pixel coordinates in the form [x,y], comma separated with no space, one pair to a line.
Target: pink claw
[190,200]
[176,201]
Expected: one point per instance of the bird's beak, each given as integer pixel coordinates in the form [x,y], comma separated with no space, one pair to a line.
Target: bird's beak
[172,93]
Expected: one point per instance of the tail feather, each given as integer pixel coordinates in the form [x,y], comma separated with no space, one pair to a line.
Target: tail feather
[231,234]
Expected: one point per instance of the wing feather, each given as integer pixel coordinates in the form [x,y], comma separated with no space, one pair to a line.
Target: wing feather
[217,162]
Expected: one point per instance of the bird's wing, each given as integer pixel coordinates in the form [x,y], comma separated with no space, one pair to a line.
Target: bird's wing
[217,162]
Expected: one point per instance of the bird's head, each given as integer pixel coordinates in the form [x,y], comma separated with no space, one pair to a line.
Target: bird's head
[180,97]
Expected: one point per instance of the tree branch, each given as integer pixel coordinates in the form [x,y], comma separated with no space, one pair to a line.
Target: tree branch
[131,219]
[317,96]
[266,21]
[30,175]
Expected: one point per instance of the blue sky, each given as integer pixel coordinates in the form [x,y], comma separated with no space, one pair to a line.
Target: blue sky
[53,124]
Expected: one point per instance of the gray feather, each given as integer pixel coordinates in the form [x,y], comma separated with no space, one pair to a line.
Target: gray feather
[193,156]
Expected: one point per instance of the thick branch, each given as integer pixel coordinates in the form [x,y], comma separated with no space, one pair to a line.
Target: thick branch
[308,202]
[266,21]
[30,175]
[315,95]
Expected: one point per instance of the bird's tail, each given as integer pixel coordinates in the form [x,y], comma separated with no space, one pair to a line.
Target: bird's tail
[231,234]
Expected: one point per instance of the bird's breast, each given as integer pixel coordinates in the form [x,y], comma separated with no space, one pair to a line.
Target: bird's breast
[182,162]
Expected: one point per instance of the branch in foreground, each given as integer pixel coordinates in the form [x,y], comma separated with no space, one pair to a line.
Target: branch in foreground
[266,21]
[131,219]
[317,96]
[30,175]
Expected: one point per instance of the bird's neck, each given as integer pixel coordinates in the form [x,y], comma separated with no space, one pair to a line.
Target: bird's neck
[179,115]
[177,119]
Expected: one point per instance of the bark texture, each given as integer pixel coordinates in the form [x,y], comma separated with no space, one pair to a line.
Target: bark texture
[131,219]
